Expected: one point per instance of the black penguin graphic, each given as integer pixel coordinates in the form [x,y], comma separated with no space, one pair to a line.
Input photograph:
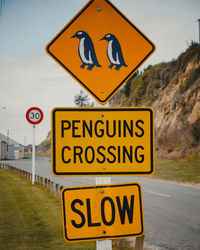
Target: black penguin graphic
[86,50]
[114,52]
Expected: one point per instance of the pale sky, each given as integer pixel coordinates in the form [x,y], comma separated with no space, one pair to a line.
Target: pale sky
[29,77]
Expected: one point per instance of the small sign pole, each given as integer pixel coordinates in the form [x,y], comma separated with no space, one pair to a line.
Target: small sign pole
[103,244]
[33,156]
[34,116]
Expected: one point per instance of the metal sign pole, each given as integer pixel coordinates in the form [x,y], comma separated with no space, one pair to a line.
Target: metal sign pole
[103,244]
[33,156]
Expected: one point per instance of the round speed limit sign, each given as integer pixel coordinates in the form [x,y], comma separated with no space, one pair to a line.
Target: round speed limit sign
[34,115]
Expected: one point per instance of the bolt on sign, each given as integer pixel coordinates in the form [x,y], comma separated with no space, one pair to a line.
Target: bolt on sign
[102,212]
[100,48]
[102,141]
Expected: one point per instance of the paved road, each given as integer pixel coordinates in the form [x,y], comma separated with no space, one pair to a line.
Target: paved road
[171,211]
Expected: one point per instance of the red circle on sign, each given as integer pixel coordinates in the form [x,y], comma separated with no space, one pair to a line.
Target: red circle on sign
[33,118]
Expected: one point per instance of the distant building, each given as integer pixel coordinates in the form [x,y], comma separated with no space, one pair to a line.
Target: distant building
[29,148]
[10,149]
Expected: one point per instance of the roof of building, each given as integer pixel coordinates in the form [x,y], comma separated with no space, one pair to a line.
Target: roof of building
[9,140]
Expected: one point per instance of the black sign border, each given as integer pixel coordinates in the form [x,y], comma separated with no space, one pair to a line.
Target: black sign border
[100,173]
[82,83]
[103,237]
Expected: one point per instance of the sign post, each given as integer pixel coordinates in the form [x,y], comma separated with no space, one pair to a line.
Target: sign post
[103,244]
[33,156]
[34,116]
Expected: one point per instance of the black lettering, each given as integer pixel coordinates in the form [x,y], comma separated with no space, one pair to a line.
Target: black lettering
[89,129]
[63,154]
[101,134]
[141,155]
[125,208]
[106,222]
[74,128]
[75,210]
[119,128]
[90,223]
[37,116]
[78,152]
[128,127]
[63,123]
[112,154]
[108,129]
[86,154]
[129,154]
[119,154]
[140,128]
[100,153]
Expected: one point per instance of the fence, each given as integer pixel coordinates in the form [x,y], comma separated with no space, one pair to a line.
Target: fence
[55,189]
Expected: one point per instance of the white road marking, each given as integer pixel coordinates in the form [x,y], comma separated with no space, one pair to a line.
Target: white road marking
[156,193]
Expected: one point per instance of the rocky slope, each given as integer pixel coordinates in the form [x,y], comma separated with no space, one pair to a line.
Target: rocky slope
[45,146]
[173,90]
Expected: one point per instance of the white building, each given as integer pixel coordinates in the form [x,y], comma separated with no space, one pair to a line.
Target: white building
[10,149]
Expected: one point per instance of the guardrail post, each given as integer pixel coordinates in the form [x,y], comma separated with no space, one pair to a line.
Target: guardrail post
[49,184]
[45,182]
[41,180]
[56,189]
[61,187]
[139,243]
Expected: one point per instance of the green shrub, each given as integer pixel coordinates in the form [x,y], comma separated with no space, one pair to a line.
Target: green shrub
[194,75]
[193,156]
[195,130]
[127,88]
[194,49]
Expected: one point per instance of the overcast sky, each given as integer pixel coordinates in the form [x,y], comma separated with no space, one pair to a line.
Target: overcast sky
[29,77]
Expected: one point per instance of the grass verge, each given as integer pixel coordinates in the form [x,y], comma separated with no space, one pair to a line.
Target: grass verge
[175,170]
[30,217]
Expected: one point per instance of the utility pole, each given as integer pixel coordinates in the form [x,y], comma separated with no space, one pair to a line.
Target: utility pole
[199,29]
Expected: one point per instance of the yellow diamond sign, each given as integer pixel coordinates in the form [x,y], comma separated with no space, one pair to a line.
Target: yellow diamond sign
[100,48]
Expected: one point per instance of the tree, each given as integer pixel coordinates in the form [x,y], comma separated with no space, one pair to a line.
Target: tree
[128,84]
[82,99]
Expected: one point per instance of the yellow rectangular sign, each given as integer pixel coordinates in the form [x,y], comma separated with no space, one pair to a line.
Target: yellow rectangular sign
[102,212]
[102,141]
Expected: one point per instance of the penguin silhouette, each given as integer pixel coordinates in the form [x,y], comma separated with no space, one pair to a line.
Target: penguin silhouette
[86,50]
[114,52]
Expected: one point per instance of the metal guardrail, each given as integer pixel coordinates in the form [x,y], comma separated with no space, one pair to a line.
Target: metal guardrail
[53,187]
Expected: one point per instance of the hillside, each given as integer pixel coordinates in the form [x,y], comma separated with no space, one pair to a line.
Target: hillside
[45,146]
[172,89]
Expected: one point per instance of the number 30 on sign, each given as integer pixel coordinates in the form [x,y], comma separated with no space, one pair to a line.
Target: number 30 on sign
[34,115]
